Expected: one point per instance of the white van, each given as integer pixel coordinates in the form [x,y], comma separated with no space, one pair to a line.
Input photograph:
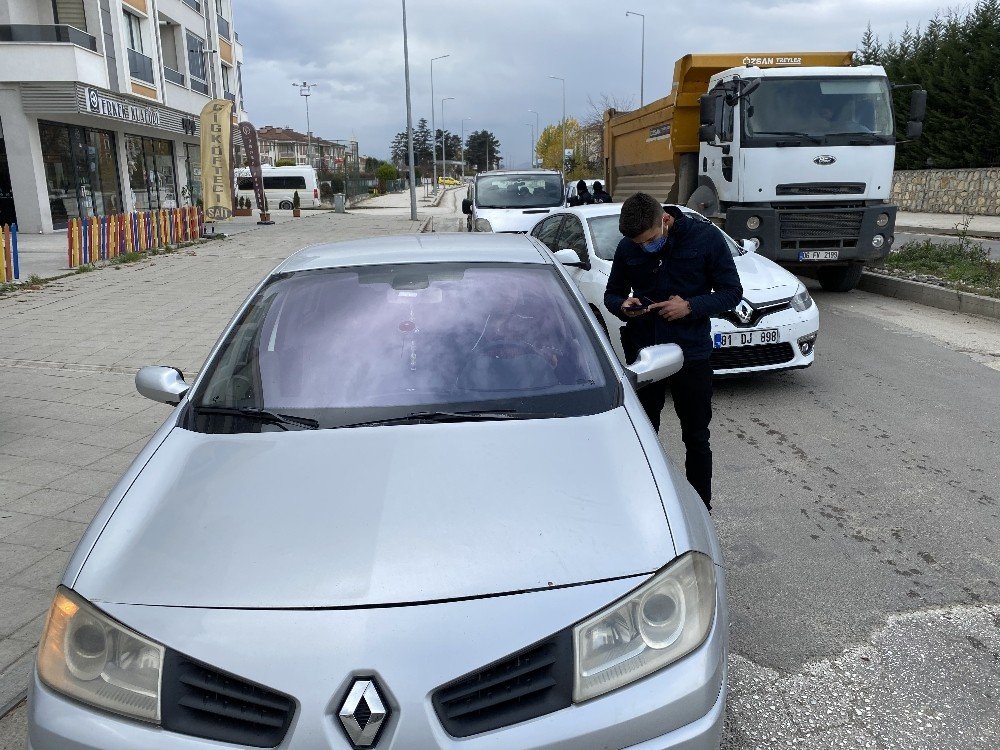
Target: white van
[280,184]
[509,201]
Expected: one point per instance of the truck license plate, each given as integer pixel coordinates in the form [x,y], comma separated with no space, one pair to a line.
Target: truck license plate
[819,254]
[746,338]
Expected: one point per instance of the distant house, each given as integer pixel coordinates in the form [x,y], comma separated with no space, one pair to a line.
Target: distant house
[325,155]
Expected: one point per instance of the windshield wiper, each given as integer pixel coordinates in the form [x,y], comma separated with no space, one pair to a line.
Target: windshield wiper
[284,421]
[877,136]
[812,138]
[416,417]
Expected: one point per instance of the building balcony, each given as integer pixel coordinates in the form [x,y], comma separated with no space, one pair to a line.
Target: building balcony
[200,86]
[140,67]
[230,96]
[194,4]
[50,53]
[223,27]
[173,76]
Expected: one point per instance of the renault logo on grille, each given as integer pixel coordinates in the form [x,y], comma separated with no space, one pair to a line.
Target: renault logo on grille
[824,160]
[364,713]
[744,311]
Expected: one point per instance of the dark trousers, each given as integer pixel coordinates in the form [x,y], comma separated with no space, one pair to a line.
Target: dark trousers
[691,391]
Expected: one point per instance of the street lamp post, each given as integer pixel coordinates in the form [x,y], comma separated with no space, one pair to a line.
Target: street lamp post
[433,126]
[443,155]
[642,64]
[534,140]
[409,122]
[305,89]
[532,144]
[463,145]
[562,155]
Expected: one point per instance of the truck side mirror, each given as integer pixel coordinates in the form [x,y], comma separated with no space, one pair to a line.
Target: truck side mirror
[466,206]
[918,105]
[707,133]
[914,129]
[706,109]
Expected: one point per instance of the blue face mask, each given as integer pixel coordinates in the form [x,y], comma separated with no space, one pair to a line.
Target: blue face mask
[654,246]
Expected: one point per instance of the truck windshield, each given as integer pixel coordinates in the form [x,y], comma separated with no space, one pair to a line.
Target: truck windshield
[833,111]
[519,191]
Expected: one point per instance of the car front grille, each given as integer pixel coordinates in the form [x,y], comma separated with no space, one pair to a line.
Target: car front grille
[760,355]
[821,188]
[804,225]
[525,685]
[759,313]
[202,701]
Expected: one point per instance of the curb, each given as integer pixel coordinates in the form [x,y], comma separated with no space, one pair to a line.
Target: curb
[930,295]
[426,225]
[971,234]
[14,682]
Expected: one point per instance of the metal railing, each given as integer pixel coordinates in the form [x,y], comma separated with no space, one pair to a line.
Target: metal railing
[173,76]
[140,66]
[223,27]
[200,86]
[62,34]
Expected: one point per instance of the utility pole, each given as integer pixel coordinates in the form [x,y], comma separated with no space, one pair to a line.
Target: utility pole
[534,140]
[463,146]
[409,122]
[443,155]
[562,156]
[434,188]
[305,89]
[642,64]
[532,144]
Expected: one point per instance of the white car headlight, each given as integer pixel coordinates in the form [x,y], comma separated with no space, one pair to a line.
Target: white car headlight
[483,225]
[88,656]
[655,625]
[801,301]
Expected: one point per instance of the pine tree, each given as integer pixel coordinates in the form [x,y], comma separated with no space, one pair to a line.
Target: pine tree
[422,144]
[476,149]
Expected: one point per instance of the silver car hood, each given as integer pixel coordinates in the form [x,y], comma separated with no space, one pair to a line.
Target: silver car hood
[764,280]
[382,515]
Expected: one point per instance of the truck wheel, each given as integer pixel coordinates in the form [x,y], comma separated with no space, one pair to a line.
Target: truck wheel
[840,278]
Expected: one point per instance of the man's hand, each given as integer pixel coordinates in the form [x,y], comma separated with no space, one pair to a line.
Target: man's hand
[674,308]
[633,308]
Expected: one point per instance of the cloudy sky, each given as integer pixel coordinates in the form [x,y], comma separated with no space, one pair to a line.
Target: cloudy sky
[502,51]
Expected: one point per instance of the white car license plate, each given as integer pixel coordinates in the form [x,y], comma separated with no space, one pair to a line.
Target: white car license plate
[746,338]
[819,254]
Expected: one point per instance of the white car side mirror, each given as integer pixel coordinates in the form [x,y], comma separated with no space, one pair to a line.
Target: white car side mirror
[655,363]
[569,258]
[749,246]
[163,384]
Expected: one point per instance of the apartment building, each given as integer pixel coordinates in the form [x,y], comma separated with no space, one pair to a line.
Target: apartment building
[327,155]
[100,103]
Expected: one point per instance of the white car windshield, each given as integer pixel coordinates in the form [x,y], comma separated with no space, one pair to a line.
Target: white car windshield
[519,191]
[604,232]
[341,346]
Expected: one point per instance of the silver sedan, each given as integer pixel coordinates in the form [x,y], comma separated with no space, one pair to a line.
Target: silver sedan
[411,501]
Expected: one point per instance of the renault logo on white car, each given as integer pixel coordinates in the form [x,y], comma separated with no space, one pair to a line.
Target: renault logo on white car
[744,311]
[363,713]
[824,160]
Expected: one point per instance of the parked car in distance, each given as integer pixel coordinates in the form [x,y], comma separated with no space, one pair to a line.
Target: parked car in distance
[774,327]
[512,201]
[280,186]
[411,500]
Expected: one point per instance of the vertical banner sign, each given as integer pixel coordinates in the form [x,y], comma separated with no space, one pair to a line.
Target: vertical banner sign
[252,146]
[216,168]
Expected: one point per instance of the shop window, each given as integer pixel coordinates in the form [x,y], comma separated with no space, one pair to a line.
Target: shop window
[151,172]
[81,172]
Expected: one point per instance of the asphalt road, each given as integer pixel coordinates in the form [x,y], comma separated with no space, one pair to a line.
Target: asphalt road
[992,246]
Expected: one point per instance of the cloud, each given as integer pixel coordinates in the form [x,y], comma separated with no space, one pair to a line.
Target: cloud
[502,52]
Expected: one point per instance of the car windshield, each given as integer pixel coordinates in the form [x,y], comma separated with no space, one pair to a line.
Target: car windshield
[604,232]
[818,107]
[345,346]
[519,191]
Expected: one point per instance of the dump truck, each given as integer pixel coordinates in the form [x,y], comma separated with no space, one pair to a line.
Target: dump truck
[793,152]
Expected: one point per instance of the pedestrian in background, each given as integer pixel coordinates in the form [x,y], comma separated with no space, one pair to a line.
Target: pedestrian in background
[583,195]
[600,194]
[671,273]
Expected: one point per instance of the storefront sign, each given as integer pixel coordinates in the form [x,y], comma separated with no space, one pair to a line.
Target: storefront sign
[102,105]
[249,135]
[216,165]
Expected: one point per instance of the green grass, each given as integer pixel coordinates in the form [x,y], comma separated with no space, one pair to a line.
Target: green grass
[964,264]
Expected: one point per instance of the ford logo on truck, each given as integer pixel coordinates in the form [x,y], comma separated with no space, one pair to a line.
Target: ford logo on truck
[824,160]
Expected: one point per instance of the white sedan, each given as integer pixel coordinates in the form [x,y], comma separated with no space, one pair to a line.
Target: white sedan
[774,327]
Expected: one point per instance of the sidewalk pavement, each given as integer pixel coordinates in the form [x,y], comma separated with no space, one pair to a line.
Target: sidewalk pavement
[980,226]
[70,419]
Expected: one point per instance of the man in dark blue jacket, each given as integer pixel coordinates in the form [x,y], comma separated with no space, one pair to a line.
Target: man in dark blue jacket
[670,275]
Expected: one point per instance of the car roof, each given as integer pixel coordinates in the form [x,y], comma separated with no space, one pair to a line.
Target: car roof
[519,171]
[450,247]
[608,209]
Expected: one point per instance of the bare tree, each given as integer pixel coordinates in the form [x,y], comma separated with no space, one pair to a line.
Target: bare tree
[592,128]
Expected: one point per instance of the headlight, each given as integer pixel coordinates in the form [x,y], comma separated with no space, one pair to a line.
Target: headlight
[655,625]
[88,656]
[801,301]
[483,225]
[878,240]
[882,220]
[753,222]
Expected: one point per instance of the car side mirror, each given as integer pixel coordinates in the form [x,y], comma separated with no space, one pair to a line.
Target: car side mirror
[918,105]
[749,246]
[571,258]
[467,206]
[914,129]
[707,133]
[163,384]
[655,363]
[706,109]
